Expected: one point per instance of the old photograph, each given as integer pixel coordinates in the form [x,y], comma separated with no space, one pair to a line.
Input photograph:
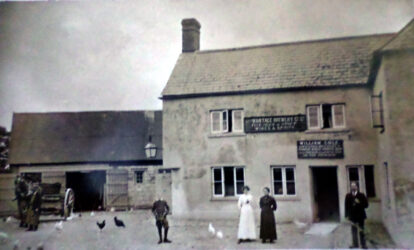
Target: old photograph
[182,124]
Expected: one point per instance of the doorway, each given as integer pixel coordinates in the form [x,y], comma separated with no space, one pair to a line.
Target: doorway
[88,188]
[325,191]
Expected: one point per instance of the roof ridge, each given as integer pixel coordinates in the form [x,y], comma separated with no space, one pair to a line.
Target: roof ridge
[293,43]
[83,112]
[396,35]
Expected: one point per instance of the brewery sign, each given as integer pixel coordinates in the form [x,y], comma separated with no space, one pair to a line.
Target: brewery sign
[320,149]
[264,124]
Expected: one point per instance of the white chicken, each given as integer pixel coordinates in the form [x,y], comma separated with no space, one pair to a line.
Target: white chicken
[299,224]
[211,229]
[219,234]
[59,226]
[92,214]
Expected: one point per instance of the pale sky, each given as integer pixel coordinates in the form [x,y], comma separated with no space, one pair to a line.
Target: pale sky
[118,55]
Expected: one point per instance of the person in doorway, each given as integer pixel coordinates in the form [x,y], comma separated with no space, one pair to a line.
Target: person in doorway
[247,226]
[21,190]
[160,209]
[355,205]
[33,210]
[267,218]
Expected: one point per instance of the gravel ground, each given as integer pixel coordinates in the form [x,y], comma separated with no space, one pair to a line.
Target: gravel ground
[140,233]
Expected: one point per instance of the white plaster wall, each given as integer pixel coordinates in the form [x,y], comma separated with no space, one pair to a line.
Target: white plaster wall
[189,145]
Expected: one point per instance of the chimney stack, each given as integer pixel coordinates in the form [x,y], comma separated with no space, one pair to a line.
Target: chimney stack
[191,35]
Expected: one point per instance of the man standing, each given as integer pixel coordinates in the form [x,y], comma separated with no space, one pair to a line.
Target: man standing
[20,191]
[33,211]
[160,210]
[355,205]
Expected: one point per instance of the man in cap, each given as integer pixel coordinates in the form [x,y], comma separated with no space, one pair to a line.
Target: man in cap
[21,190]
[160,210]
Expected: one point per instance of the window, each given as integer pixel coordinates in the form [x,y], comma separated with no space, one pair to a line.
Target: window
[283,178]
[326,116]
[228,181]
[364,177]
[223,121]
[377,112]
[139,176]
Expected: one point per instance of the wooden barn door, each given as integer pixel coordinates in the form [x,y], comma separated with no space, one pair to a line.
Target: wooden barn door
[116,188]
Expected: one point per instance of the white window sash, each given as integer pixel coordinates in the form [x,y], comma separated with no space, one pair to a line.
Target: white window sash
[235,180]
[318,116]
[284,182]
[212,121]
[222,121]
[241,120]
[335,125]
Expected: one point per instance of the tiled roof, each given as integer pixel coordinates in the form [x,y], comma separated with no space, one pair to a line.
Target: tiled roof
[81,137]
[320,63]
[403,40]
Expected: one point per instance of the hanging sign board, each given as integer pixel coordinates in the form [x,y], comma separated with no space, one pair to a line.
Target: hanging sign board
[264,124]
[320,149]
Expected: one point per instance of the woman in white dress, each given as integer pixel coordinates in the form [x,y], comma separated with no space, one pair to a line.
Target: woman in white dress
[247,228]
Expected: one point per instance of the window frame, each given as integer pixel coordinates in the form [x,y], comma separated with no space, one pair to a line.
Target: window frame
[222,121]
[380,110]
[241,120]
[223,194]
[334,125]
[362,179]
[141,171]
[320,116]
[284,181]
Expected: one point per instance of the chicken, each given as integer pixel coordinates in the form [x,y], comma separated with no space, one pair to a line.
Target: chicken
[101,225]
[59,226]
[211,229]
[219,234]
[119,223]
[92,214]
[299,224]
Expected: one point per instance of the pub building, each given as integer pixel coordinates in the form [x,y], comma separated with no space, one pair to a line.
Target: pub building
[302,118]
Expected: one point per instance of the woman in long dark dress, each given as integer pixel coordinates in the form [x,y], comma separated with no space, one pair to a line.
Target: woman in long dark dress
[267,218]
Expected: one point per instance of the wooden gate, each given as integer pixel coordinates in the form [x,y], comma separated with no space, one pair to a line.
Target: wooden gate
[116,188]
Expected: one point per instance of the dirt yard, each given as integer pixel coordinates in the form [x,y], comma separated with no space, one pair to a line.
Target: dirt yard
[140,233]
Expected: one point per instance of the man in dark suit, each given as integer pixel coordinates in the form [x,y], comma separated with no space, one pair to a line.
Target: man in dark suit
[355,205]
[160,209]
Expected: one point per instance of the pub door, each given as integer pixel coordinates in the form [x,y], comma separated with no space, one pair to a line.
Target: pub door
[325,191]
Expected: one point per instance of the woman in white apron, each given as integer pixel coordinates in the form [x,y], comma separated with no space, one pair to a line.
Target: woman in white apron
[247,228]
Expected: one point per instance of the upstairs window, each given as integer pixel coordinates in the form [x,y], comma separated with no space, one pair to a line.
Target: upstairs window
[227,181]
[323,116]
[377,112]
[226,121]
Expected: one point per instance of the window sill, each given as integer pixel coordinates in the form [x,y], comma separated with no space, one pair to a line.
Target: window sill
[286,198]
[239,134]
[328,130]
[229,198]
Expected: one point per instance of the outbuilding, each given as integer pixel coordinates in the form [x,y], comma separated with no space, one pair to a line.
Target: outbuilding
[109,158]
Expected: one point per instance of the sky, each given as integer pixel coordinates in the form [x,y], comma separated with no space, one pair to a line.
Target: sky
[118,55]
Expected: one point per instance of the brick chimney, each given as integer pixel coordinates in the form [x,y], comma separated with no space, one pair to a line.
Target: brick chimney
[191,34]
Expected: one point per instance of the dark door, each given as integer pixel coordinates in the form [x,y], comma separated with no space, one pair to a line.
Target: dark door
[88,188]
[325,188]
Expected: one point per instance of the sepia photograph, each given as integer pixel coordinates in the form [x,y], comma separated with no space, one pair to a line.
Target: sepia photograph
[209,124]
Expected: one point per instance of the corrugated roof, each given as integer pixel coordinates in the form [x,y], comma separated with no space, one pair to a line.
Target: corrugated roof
[107,136]
[321,63]
[403,40]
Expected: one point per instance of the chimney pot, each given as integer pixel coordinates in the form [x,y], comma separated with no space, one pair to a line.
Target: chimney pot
[191,34]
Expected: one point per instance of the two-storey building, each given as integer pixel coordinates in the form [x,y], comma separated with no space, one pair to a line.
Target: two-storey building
[296,117]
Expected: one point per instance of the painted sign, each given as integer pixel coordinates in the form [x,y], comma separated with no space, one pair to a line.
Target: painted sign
[264,124]
[320,149]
